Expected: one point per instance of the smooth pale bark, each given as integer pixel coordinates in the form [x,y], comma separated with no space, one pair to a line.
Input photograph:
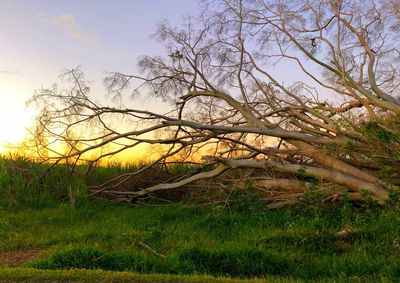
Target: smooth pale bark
[333,163]
[169,186]
[352,183]
[273,132]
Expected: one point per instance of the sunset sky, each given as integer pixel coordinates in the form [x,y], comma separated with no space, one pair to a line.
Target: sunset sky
[39,39]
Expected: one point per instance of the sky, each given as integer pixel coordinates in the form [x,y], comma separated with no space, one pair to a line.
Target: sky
[39,39]
[42,38]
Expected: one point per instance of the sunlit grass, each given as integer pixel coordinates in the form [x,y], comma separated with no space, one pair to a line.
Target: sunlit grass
[26,183]
[242,240]
[220,241]
[83,275]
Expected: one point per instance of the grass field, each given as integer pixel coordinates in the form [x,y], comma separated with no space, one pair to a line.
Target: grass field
[50,231]
[227,242]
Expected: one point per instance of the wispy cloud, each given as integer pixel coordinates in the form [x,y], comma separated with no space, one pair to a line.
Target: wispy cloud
[69,24]
[8,72]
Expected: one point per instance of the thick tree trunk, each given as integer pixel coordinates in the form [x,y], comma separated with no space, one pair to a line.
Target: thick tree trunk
[334,163]
[353,183]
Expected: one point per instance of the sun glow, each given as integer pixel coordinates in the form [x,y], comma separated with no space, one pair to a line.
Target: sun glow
[14,117]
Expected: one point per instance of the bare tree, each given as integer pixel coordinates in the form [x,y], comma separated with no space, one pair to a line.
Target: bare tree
[332,117]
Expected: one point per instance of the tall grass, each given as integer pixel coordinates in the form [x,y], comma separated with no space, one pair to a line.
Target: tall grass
[21,185]
[26,183]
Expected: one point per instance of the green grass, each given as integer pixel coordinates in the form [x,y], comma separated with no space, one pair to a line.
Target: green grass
[25,183]
[84,275]
[220,241]
[185,242]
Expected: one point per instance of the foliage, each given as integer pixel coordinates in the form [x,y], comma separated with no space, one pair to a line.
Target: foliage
[245,199]
[374,130]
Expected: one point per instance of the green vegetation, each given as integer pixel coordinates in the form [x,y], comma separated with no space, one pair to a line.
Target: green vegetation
[24,183]
[77,238]
[83,275]
[219,241]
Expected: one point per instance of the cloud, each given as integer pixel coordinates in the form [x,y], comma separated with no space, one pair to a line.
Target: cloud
[8,72]
[71,26]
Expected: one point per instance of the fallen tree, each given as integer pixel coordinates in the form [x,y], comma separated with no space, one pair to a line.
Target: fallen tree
[332,116]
